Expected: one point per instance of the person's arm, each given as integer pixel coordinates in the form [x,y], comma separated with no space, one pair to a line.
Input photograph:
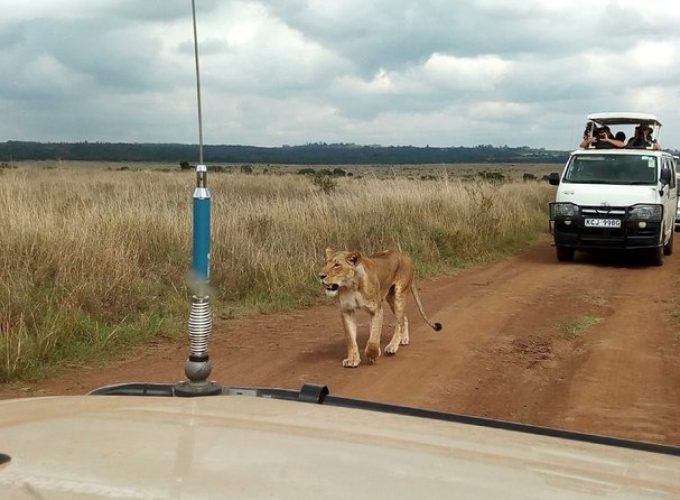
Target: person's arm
[586,142]
[615,142]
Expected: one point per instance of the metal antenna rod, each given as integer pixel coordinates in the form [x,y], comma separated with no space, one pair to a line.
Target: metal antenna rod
[198,89]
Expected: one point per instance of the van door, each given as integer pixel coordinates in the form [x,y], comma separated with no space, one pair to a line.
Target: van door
[670,197]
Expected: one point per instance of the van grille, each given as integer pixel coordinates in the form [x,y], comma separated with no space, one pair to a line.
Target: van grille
[603,212]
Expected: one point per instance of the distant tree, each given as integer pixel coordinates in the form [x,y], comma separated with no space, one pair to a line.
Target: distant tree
[529,177]
[339,172]
[246,169]
[184,165]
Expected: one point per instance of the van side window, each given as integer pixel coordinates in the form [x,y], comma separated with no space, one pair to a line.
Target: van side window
[666,163]
[671,165]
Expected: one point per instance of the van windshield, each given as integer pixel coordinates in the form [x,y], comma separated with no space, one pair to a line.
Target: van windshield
[612,169]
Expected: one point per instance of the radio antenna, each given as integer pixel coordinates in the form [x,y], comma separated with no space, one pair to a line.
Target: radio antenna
[197,367]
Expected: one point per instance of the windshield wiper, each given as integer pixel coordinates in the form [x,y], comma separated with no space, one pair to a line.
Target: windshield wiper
[588,181]
[613,182]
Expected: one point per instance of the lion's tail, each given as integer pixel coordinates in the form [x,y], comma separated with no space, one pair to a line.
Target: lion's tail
[435,326]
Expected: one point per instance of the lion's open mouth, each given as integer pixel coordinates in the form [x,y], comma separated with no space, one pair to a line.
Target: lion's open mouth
[332,288]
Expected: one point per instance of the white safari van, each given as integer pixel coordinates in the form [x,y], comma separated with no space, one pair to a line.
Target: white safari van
[616,193]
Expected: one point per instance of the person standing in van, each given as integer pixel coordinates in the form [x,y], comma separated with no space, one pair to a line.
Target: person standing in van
[642,138]
[602,139]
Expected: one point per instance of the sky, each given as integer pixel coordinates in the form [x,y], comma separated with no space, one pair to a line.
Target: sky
[288,72]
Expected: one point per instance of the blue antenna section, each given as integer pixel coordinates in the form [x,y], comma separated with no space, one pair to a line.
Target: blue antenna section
[201,249]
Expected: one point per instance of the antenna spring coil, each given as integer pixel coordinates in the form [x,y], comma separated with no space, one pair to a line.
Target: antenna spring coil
[200,325]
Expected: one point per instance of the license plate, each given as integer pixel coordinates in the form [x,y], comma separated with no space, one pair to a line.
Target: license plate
[603,223]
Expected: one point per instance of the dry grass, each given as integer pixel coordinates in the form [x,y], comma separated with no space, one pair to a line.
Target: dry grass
[91,260]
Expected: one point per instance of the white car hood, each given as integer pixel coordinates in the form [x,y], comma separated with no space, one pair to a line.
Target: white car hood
[612,195]
[246,447]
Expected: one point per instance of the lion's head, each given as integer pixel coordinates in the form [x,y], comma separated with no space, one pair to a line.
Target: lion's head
[340,270]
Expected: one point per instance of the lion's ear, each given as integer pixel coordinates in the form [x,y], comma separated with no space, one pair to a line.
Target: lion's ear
[329,253]
[354,257]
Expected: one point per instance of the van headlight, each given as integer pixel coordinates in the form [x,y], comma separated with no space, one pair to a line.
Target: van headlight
[559,211]
[651,213]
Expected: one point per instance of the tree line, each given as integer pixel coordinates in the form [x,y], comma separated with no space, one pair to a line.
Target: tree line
[307,154]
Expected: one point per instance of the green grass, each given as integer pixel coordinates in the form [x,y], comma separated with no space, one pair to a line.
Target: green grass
[576,327]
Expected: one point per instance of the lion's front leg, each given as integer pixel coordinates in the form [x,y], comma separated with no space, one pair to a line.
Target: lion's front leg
[349,322]
[372,350]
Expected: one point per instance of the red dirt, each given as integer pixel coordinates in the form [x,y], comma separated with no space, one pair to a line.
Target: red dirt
[503,352]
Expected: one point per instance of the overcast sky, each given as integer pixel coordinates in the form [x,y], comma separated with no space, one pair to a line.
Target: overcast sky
[389,72]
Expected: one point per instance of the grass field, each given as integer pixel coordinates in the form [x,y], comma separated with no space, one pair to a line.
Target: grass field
[95,259]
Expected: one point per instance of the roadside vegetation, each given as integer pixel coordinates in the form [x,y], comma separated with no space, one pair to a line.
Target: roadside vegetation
[576,327]
[92,261]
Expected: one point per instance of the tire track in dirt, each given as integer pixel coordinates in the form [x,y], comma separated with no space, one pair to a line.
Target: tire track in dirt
[503,352]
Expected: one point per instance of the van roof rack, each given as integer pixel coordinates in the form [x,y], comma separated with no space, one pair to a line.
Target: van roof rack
[619,118]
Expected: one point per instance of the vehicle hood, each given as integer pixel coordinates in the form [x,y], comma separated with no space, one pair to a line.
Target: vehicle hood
[612,195]
[246,447]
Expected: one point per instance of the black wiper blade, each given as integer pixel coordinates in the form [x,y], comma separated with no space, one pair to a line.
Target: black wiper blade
[588,182]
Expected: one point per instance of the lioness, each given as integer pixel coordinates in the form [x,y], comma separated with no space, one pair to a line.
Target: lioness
[362,282]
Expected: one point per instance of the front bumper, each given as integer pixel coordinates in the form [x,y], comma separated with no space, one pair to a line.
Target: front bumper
[628,236]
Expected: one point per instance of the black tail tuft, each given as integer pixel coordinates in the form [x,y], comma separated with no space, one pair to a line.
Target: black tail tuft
[437,327]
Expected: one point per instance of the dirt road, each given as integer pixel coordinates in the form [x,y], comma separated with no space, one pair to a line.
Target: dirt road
[590,346]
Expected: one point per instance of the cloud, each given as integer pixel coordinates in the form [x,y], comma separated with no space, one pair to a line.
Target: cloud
[389,72]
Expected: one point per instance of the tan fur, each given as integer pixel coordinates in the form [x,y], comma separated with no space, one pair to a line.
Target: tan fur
[362,282]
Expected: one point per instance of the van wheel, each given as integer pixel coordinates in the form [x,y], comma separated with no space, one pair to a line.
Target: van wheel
[668,247]
[657,256]
[565,254]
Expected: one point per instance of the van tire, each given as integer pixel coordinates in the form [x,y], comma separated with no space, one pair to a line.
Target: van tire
[668,247]
[656,256]
[565,254]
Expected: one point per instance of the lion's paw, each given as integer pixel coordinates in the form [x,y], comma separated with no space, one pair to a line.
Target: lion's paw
[391,348]
[405,341]
[372,352]
[352,362]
